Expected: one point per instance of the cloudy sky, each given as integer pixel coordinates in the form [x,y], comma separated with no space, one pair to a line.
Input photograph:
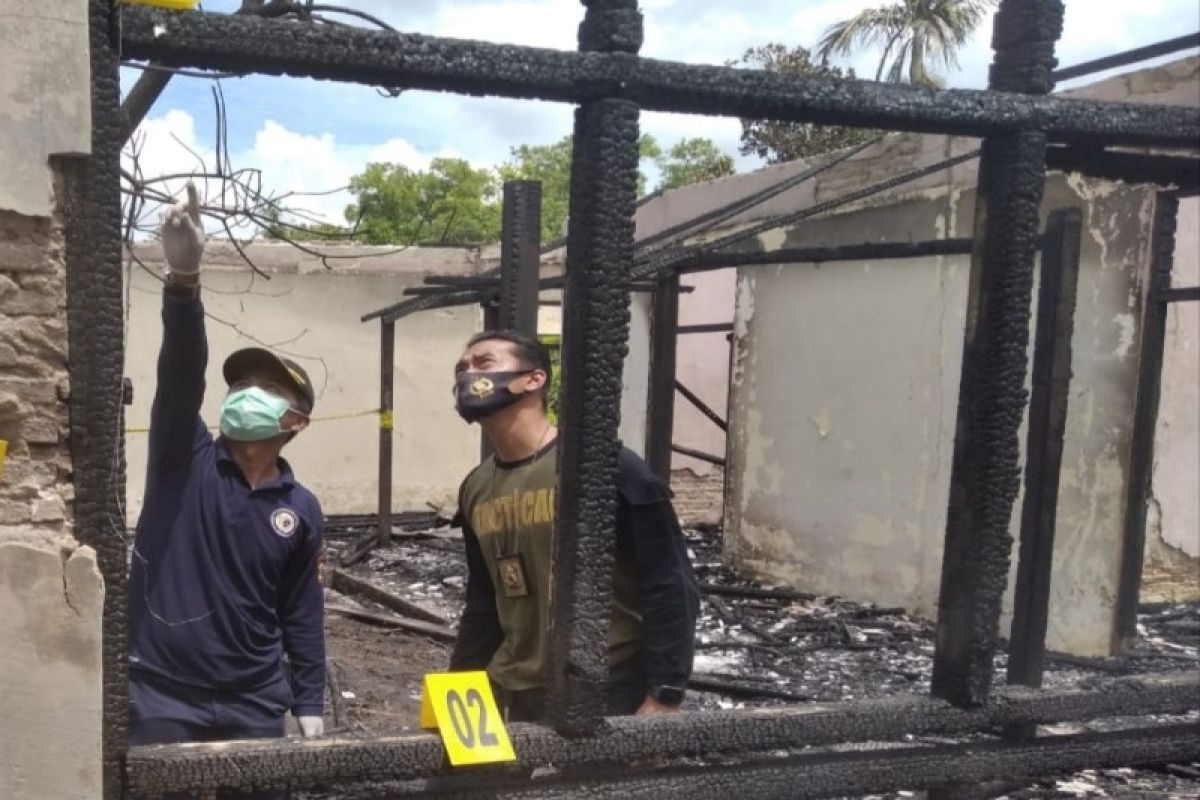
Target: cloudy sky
[312,136]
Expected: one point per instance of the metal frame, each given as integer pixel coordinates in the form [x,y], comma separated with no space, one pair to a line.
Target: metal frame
[611,84]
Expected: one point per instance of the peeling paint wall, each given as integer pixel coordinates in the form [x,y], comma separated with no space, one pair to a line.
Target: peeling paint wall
[1173,532]
[845,383]
[51,591]
[312,314]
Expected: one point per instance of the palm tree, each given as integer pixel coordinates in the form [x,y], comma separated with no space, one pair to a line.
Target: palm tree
[912,32]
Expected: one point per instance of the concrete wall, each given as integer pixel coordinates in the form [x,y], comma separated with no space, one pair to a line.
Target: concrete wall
[845,387]
[1173,535]
[51,593]
[312,314]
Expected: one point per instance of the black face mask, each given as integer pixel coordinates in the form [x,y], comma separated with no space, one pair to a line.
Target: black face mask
[480,394]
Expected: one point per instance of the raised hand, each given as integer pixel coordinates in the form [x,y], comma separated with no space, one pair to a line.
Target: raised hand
[183,235]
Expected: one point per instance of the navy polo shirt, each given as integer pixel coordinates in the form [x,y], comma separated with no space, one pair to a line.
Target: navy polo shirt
[224,578]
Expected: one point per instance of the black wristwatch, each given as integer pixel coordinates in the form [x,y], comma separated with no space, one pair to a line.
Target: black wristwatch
[667,695]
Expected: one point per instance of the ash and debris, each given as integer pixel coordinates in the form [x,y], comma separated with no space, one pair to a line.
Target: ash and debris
[756,646]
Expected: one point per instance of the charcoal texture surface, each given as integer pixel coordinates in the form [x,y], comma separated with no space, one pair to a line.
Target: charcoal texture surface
[414,61]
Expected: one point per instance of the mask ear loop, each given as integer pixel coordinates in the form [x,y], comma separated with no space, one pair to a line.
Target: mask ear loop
[297,412]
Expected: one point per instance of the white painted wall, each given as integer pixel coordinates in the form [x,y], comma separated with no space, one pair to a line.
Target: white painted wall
[1175,509]
[845,392]
[312,314]
[45,102]
[635,377]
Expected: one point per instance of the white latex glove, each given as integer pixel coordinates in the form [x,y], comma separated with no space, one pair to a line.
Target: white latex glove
[311,726]
[183,235]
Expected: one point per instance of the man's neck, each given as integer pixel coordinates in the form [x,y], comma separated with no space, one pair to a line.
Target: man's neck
[258,461]
[518,432]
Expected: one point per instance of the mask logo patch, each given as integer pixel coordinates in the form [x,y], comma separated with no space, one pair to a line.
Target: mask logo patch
[482,387]
[284,522]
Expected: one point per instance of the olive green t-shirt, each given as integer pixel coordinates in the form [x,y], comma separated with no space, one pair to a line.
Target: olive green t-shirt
[510,509]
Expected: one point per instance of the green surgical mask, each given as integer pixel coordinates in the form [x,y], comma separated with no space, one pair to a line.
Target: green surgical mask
[252,415]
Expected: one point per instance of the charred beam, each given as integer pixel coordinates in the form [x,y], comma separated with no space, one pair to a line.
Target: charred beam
[804,255]
[330,761]
[1128,57]
[90,208]
[656,263]
[754,592]
[346,583]
[708,327]
[387,387]
[707,683]
[1044,445]
[359,548]
[436,632]
[412,61]
[405,308]
[600,242]
[1188,294]
[520,242]
[860,773]
[699,455]
[985,472]
[150,84]
[1145,417]
[701,406]
[660,403]
[1115,165]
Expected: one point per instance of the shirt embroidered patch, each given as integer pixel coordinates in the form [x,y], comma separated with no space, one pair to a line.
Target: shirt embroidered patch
[284,522]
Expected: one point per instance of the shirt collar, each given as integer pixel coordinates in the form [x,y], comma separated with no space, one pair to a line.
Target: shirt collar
[285,479]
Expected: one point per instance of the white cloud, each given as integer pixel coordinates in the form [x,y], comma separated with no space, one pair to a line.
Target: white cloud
[417,126]
[308,167]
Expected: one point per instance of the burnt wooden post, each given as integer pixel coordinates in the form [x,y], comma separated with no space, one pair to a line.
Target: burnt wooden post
[520,257]
[514,306]
[985,473]
[90,198]
[1145,417]
[387,369]
[595,338]
[660,404]
[1059,280]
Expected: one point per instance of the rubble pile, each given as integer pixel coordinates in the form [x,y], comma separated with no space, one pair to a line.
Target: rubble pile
[762,646]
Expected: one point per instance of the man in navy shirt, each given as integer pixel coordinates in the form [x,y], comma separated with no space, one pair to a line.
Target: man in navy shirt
[224,575]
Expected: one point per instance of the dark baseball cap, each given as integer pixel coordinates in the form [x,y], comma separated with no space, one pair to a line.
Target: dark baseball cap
[256,359]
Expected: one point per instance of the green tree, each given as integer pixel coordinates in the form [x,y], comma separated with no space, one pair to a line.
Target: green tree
[551,164]
[450,203]
[274,228]
[691,161]
[786,141]
[913,33]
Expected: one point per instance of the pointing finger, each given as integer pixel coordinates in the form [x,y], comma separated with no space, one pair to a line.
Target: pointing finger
[193,203]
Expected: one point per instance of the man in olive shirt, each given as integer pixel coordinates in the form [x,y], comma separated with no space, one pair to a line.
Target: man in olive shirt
[507,507]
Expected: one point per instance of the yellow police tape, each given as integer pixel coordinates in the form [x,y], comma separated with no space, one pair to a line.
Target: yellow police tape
[178,5]
[385,420]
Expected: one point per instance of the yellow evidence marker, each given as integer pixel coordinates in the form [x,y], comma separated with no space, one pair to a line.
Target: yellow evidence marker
[3,455]
[460,707]
[178,5]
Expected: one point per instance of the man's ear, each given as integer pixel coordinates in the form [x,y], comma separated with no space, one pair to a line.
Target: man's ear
[536,379]
[298,422]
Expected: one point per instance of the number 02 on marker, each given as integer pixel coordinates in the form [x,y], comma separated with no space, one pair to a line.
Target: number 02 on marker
[460,706]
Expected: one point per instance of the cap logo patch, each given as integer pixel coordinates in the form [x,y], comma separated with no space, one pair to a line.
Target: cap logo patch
[284,522]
